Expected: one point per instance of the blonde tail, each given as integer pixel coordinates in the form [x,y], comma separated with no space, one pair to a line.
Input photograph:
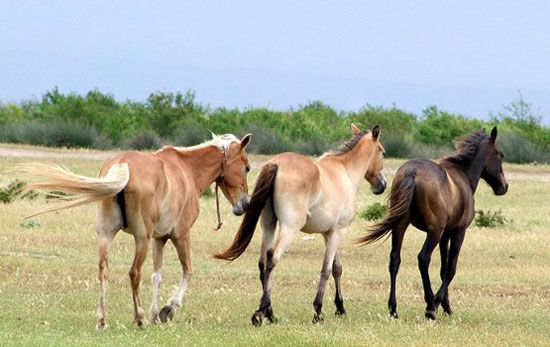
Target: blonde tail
[82,189]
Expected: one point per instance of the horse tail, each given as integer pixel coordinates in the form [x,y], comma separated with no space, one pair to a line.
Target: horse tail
[81,189]
[400,203]
[262,192]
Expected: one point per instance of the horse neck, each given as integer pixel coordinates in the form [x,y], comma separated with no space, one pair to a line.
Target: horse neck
[474,169]
[356,162]
[205,164]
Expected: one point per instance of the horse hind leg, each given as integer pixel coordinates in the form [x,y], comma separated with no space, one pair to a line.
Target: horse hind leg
[268,223]
[395,260]
[182,245]
[273,255]
[141,232]
[108,223]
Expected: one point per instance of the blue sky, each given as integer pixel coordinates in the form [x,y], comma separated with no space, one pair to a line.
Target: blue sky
[468,57]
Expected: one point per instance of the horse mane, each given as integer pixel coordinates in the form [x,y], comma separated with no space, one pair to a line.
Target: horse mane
[349,145]
[466,148]
[220,141]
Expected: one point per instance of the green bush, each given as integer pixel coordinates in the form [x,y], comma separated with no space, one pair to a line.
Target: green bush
[440,128]
[144,140]
[98,120]
[396,146]
[265,140]
[488,219]
[12,189]
[191,134]
[374,211]
[54,134]
[518,149]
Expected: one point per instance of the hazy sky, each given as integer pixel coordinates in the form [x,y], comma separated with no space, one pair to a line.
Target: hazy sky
[468,57]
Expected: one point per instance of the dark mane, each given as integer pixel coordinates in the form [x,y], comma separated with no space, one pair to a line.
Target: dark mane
[349,145]
[466,148]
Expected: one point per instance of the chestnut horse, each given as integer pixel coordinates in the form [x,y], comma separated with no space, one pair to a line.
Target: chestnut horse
[312,197]
[152,197]
[439,200]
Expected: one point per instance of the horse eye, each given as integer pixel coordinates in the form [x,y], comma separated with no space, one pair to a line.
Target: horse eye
[247,168]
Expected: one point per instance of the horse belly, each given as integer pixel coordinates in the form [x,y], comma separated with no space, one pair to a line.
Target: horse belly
[320,220]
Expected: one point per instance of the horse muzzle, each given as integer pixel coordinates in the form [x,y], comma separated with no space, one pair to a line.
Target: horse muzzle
[241,206]
[380,186]
[501,189]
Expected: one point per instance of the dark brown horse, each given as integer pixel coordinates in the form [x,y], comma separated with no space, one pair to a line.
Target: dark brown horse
[439,199]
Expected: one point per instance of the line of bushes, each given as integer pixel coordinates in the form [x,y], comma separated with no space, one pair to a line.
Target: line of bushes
[98,120]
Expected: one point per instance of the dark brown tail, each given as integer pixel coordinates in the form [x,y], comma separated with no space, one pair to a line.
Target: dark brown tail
[400,203]
[262,192]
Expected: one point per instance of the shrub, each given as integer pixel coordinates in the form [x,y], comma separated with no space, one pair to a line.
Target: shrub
[265,140]
[208,193]
[67,134]
[396,146]
[191,134]
[374,211]
[490,219]
[55,134]
[12,189]
[518,149]
[144,140]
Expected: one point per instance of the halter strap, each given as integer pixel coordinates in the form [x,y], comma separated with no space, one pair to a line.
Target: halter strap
[219,180]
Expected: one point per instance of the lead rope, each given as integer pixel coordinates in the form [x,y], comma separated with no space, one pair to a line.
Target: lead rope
[219,180]
[218,210]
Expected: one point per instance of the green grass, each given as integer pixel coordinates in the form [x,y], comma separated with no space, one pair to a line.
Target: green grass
[500,296]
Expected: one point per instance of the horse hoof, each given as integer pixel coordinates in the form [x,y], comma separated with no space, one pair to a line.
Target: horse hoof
[318,318]
[257,318]
[100,326]
[430,314]
[340,312]
[394,315]
[166,314]
[140,323]
[448,310]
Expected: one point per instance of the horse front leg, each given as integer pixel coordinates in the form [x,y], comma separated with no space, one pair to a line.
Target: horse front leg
[442,295]
[337,274]
[182,244]
[332,241]
[424,258]
[156,277]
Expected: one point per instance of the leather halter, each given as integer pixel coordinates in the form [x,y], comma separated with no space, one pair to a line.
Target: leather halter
[220,180]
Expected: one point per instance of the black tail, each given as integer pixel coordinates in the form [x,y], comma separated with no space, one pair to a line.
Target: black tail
[262,192]
[400,203]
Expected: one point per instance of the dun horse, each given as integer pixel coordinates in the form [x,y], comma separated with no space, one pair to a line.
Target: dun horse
[313,197]
[152,196]
[439,199]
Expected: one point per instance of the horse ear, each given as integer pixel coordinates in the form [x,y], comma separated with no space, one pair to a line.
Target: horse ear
[494,133]
[376,131]
[245,141]
[354,129]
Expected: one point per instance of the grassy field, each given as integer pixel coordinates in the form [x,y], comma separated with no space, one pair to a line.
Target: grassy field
[500,296]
